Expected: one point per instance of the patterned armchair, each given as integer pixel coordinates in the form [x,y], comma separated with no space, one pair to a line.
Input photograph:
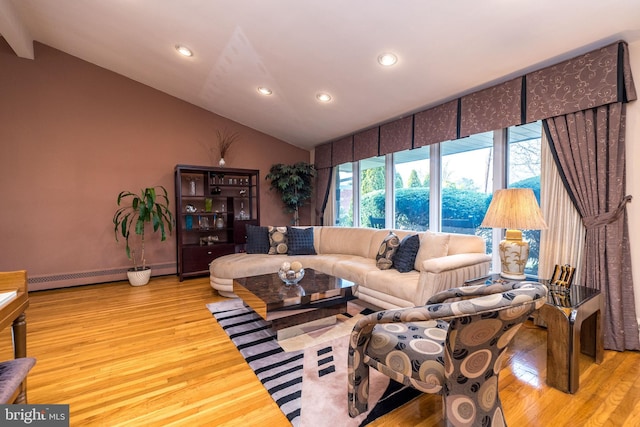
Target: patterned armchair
[455,349]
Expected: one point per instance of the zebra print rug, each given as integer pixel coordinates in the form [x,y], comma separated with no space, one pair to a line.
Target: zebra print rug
[308,377]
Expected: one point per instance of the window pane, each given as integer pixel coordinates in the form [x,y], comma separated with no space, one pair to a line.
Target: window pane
[467,184]
[372,192]
[524,172]
[344,195]
[411,189]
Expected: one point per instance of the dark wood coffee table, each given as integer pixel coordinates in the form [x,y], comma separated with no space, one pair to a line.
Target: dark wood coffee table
[313,303]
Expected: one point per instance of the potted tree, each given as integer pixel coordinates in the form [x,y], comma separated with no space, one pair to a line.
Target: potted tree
[136,212]
[294,183]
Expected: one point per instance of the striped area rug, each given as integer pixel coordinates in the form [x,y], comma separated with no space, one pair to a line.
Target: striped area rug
[307,375]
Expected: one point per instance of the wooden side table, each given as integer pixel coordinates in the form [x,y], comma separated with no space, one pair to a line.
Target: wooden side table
[574,323]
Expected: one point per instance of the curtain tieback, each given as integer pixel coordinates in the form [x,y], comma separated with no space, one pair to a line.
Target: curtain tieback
[606,218]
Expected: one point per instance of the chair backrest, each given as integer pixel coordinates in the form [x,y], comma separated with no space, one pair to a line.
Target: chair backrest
[476,345]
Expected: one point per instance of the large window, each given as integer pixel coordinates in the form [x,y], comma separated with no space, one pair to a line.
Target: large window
[524,172]
[467,182]
[344,195]
[411,189]
[399,191]
[372,192]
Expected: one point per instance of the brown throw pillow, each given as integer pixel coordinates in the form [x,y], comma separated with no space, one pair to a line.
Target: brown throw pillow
[388,247]
[278,240]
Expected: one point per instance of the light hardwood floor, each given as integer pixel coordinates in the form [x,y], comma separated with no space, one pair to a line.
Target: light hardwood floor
[154,356]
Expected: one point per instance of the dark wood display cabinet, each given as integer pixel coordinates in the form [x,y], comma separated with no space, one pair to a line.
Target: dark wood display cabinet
[213,207]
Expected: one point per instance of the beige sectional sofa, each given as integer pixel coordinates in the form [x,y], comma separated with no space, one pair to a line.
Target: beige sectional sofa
[444,260]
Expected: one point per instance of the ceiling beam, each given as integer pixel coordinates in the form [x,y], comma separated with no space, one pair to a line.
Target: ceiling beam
[14,31]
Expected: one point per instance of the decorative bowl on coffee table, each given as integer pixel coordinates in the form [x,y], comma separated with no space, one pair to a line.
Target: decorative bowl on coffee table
[291,277]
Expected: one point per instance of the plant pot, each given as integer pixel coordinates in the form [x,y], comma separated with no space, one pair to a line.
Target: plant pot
[139,277]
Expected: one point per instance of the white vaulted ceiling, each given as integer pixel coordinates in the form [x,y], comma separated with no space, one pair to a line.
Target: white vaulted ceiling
[298,48]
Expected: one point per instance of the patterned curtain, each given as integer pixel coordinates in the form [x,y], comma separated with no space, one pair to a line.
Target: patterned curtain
[323,157]
[323,185]
[589,149]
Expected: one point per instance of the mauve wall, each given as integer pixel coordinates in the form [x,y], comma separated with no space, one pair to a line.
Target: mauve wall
[633,173]
[73,135]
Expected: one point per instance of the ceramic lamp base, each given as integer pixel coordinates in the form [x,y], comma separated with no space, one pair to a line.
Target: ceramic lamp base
[514,254]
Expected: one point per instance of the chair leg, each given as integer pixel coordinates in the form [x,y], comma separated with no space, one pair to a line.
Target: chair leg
[22,394]
[358,389]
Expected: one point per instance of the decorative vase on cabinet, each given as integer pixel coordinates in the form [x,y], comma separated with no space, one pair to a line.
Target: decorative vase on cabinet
[224,201]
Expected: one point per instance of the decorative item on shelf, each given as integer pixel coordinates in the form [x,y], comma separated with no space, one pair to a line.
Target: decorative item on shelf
[193,188]
[189,208]
[242,214]
[148,207]
[188,222]
[216,191]
[295,185]
[291,273]
[220,222]
[208,204]
[514,209]
[225,141]
[203,222]
[208,240]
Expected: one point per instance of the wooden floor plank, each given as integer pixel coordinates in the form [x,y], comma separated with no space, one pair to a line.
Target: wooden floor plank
[154,356]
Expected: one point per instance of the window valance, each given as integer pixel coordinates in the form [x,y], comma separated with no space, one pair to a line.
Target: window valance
[323,156]
[396,136]
[599,77]
[366,144]
[596,78]
[494,108]
[436,124]
[342,151]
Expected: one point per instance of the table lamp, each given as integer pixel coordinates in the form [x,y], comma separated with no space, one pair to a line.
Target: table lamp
[515,209]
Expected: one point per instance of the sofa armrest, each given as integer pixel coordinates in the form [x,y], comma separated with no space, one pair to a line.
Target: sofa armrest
[452,262]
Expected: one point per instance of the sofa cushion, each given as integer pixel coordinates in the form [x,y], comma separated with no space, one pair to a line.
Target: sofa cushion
[403,286]
[466,243]
[432,245]
[300,241]
[405,257]
[348,241]
[257,239]
[388,247]
[244,265]
[277,240]
[353,268]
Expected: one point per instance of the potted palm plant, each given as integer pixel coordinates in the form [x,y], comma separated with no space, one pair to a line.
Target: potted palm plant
[295,185]
[135,213]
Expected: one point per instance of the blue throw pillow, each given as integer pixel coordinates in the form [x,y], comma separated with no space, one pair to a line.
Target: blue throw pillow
[300,241]
[405,257]
[257,239]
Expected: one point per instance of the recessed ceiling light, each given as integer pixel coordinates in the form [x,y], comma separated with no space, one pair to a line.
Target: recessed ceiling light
[323,97]
[387,59]
[183,50]
[264,91]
